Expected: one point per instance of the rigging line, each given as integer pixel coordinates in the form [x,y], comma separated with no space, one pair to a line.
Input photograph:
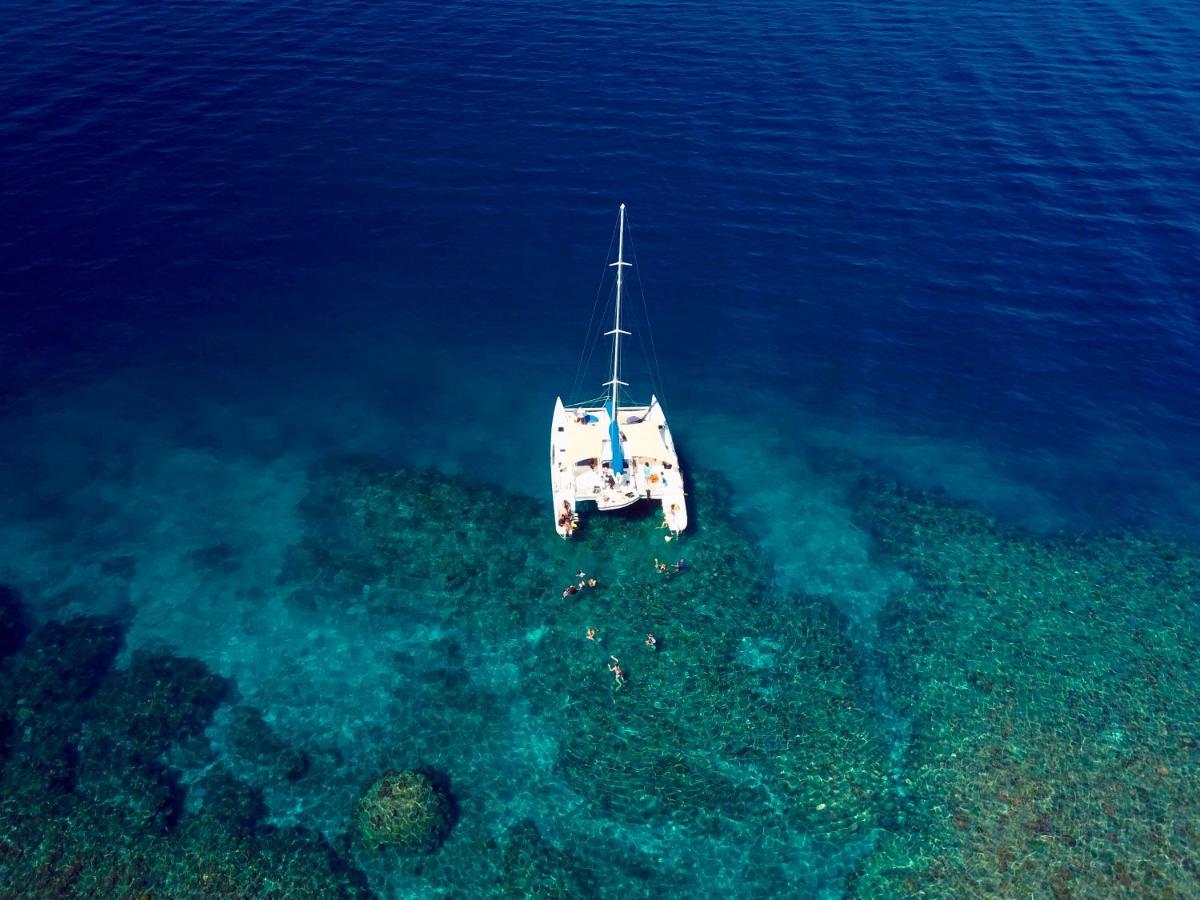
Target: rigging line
[657,374]
[595,340]
[577,383]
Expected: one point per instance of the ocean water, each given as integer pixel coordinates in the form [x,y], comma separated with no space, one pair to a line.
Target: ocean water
[248,248]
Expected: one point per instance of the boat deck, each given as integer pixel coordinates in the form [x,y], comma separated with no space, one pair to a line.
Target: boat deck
[580,458]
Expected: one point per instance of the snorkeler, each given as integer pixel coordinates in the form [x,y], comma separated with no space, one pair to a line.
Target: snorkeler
[618,672]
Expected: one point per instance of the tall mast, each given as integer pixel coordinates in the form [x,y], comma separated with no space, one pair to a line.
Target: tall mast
[618,461]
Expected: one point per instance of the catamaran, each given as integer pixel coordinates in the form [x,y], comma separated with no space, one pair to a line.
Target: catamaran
[614,455]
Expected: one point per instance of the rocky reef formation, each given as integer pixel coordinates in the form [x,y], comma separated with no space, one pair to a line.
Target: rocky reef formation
[532,867]
[1051,685]
[258,747]
[405,811]
[749,715]
[748,712]
[88,805]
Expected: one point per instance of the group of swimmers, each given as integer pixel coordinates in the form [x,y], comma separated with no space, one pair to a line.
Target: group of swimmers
[584,580]
[663,568]
[651,643]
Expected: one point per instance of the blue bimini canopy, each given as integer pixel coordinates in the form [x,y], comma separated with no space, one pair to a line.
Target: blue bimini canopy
[614,436]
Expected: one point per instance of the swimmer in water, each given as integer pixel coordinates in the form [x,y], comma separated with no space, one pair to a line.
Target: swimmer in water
[618,672]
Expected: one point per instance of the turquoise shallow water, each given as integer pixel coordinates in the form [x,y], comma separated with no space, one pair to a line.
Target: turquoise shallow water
[268,269]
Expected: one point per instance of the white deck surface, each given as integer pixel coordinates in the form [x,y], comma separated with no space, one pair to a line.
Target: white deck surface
[580,456]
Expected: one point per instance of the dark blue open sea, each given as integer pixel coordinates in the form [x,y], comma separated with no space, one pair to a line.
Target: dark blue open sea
[287,293]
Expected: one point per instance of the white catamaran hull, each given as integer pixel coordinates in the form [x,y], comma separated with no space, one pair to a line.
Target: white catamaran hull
[581,463]
[614,464]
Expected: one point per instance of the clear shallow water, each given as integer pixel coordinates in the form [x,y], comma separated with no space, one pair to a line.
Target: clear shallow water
[960,244]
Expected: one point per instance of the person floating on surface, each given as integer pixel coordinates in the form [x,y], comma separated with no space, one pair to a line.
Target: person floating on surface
[591,634]
[569,590]
[660,566]
[681,565]
[618,672]
[591,582]
[651,641]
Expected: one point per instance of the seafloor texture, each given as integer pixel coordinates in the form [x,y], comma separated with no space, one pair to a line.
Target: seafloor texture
[1045,689]
[746,722]
[91,799]
[1052,686]
[737,756]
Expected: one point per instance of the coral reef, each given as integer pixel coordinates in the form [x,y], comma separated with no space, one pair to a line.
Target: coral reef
[532,867]
[89,808]
[254,742]
[748,716]
[404,810]
[1051,684]
[229,799]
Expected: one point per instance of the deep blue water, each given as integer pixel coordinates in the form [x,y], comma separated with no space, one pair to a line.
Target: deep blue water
[959,239]
[977,224]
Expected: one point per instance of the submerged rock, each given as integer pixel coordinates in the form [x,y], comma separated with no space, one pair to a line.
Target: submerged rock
[87,805]
[255,742]
[532,867]
[404,810]
[230,799]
